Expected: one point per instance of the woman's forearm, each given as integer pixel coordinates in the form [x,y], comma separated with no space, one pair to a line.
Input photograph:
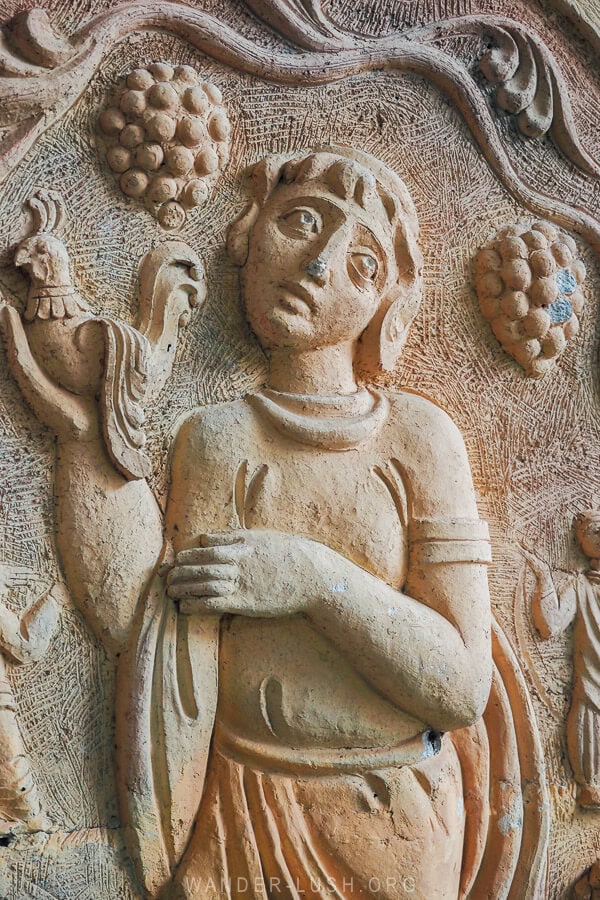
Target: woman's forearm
[413,655]
[109,537]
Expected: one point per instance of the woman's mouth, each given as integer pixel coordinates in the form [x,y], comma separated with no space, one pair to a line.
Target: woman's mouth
[296,299]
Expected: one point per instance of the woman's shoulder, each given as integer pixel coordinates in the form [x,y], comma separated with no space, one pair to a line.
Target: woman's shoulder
[414,414]
[430,450]
[215,426]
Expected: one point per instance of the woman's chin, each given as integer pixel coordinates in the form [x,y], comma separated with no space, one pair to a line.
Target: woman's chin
[282,328]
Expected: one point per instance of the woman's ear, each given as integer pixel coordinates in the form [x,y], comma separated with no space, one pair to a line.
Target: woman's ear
[238,236]
[394,329]
[264,176]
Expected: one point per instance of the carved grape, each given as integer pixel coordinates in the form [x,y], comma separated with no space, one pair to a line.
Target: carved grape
[119,158]
[207,162]
[516,274]
[162,188]
[195,193]
[112,121]
[562,254]
[544,291]
[528,280]
[149,156]
[554,342]
[515,304]
[513,248]
[161,71]
[196,101]
[578,270]
[187,74]
[218,126]
[161,127]
[131,136]
[535,240]
[179,160]
[572,327]
[163,96]
[542,263]
[134,182]
[192,131]
[139,80]
[133,103]
[166,138]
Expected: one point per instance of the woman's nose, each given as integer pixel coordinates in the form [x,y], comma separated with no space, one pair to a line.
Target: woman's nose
[331,254]
[318,269]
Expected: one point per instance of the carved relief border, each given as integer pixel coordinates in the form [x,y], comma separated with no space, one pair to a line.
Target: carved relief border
[54,72]
[44,73]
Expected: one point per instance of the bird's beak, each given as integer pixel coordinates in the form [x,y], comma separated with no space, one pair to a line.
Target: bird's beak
[22,257]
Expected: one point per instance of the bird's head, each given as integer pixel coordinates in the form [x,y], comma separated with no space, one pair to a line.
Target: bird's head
[45,259]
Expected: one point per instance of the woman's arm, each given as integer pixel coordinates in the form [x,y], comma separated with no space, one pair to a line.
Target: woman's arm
[426,648]
[551,612]
[413,655]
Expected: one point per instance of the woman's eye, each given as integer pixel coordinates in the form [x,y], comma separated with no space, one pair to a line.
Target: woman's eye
[366,265]
[301,222]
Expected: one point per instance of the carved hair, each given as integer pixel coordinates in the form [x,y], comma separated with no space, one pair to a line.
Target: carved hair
[584,519]
[352,174]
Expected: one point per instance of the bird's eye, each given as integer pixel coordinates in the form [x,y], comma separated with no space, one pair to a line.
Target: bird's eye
[301,223]
[364,265]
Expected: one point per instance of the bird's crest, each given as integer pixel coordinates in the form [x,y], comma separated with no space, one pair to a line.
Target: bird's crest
[48,212]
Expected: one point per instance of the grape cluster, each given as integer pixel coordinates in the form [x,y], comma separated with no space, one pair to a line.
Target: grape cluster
[528,280]
[167,138]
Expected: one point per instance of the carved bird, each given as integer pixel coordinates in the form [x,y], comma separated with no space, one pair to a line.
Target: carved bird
[96,356]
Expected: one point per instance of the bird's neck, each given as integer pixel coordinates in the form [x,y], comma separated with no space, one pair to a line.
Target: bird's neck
[41,289]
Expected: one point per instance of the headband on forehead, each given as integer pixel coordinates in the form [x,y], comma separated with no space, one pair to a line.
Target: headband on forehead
[347,172]
[355,175]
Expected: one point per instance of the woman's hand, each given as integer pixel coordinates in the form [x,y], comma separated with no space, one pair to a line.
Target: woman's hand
[67,414]
[248,572]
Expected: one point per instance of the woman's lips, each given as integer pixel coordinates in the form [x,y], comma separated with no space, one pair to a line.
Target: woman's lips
[296,299]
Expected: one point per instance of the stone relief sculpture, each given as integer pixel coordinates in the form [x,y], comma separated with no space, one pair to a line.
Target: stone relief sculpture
[88,377]
[529,283]
[22,640]
[346,638]
[167,133]
[313,695]
[552,613]
[308,643]
[326,618]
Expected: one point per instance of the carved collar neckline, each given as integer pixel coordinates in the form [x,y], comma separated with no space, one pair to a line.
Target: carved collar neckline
[339,422]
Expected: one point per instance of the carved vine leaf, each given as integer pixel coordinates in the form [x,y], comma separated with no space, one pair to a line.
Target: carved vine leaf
[30,43]
[303,22]
[529,82]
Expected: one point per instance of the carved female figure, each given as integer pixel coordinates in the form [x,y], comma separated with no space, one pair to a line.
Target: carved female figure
[553,612]
[328,625]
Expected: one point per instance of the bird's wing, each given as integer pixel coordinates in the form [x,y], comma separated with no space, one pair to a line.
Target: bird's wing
[124,386]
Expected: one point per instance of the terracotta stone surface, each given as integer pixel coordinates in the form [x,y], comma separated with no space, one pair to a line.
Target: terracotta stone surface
[299,455]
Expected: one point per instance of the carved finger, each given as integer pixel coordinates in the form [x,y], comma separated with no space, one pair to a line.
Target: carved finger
[202,556]
[222,539]
[184,574]
[220,605]
[10,324]
[214,588]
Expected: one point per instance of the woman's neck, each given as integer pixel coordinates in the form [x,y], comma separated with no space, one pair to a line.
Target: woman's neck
[326,371]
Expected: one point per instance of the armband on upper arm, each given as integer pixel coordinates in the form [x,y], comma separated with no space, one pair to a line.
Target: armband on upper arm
[457,540]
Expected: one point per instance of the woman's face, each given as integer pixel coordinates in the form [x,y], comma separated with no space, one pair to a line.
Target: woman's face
[589,538]
[317,268]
